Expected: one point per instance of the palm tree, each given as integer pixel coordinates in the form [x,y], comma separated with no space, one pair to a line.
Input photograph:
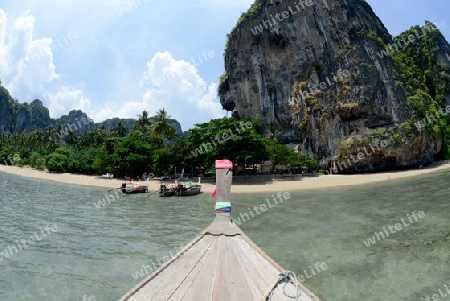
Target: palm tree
[143,122]
[22,143]
[100,134]
[53,137]
[72,138]
[14,137]
[121,129]
[37,139]
[161,127]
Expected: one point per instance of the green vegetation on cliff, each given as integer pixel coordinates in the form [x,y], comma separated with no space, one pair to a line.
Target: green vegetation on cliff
[19,117]
[254,9]
[427,81]
[418,53]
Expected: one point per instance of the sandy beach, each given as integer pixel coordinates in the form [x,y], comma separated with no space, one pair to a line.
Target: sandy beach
[322,181]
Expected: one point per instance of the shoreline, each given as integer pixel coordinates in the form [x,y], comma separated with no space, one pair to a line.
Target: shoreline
[323,181]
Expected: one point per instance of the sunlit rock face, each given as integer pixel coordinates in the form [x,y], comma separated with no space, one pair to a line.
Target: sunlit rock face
[314,73]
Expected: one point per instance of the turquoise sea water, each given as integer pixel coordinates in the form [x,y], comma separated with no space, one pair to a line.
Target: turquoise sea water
[97,251]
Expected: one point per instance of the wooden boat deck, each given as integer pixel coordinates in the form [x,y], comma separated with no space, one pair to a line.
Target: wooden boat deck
[220,264]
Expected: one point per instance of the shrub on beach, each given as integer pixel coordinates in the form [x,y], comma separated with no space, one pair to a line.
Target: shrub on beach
[58,160]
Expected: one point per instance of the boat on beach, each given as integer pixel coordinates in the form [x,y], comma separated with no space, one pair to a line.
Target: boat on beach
[189,189]
[179,190]
[167,190]
[134,187]
[221,264]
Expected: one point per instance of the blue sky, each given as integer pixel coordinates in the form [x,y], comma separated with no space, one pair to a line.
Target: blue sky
[117,58]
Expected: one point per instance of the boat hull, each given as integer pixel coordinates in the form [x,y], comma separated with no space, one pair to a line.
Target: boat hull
[179,190]
[133,190]
[165,191]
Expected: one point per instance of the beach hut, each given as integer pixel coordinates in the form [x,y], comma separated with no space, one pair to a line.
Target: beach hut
[221,264]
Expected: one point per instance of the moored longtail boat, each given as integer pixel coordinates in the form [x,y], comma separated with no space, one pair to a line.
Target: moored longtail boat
[221,264]
[188,190]
[179,190]
[135,187]
[167,190]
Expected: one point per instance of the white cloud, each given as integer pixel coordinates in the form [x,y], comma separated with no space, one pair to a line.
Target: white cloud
[106,111]
[27,71]
[176,86]
[26,64]
[67,99]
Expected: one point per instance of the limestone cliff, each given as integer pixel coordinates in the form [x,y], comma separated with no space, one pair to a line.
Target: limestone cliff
[18,117]
[24,117]
[319,74]
[6,110]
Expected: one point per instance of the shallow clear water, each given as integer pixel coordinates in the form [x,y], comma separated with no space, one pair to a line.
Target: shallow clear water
[96,251]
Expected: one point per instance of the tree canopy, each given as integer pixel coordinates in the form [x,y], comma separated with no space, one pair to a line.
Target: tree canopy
[144,148]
